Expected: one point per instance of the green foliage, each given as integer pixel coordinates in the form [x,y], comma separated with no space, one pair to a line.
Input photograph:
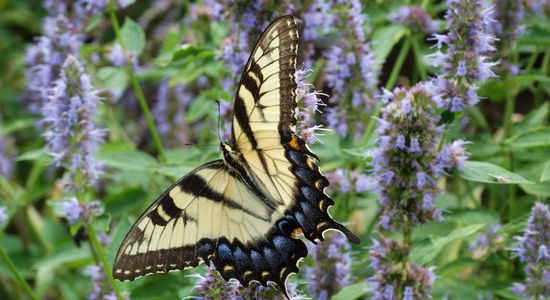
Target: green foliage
[508,169]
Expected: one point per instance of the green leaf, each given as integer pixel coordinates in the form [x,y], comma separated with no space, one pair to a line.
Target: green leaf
[535,36]
[534,171]
[384,39]
[351,292]
[426,251]
[129,160]
[535,138]
[174,171]
[114,79]
[474,216]
[188,51]
[508,294]
[133,36]
[534,119]
[494,89]
[33,155]
[198,110]
[102,223]
[479,171]
[545,175]
[527,79]
[16,125]
[118,234]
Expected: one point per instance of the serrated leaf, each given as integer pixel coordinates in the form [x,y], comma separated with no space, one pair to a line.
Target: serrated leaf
[545,175]
[426,251]
[351,292]
[133,36]
[479,171]
[384,39]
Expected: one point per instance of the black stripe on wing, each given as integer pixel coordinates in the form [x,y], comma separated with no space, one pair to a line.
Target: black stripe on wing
[160,214]
[255,74]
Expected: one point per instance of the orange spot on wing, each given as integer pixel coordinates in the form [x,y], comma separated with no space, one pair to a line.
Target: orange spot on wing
[297,233]
[294,143]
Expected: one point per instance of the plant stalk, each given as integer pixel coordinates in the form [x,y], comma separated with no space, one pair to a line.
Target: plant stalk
[11,266]
[98,249]
[137,88]
[389,85]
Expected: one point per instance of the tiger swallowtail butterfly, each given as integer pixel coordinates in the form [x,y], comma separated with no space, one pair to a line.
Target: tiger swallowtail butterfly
[245,214]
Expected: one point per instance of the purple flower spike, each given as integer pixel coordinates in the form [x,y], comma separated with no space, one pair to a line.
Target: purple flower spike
[3,216]
[72,136]
[74,211]
[415,18]
[532,249]
[405,164]
[331,270]
[466,59]
[211,285]
[395,274]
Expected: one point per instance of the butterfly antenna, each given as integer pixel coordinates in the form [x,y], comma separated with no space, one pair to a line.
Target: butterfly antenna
[219,119]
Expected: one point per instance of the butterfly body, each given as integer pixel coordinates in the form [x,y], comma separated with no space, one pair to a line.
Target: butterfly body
[245,214]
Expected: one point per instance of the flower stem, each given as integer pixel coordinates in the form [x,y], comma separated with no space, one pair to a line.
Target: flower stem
[389,85]
[418,58]
[532,60]
[508,113]
[96,246]
[399,63]
[545,63]
[137,88]
[11,266]
[442,140]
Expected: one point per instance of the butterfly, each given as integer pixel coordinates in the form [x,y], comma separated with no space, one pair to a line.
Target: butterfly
[246,213]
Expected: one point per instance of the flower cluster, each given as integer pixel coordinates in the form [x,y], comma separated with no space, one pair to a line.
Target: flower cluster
[74,211]
[452,155]
[331,269]
[351,73]
[343,181]
[317,20]
[406,162]
[533,248]
[415,18]
[487,242]
[45,57]
[396,277]
[5,160]
[211,285]
[508,15]
[160,110]
[100,287]
[465,61]
[309,102]
[72,136]
[3,216]
[118,58]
